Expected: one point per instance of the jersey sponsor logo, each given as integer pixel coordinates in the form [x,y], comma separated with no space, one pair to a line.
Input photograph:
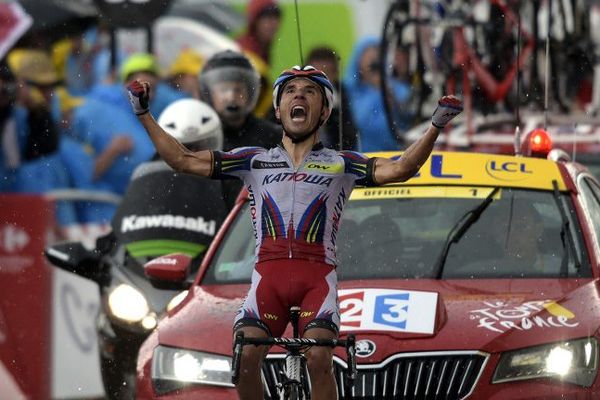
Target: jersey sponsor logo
[253,211]
[318,166]
[387,310]
[257,164]
[300,177]
[138,222]
[330,168]
[271,317]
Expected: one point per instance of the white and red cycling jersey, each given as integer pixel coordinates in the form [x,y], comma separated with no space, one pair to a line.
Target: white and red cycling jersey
[295,211]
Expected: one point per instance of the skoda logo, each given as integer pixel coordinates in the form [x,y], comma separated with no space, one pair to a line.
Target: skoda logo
[365,348]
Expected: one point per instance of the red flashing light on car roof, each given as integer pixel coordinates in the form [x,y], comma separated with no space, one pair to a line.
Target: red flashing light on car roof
[537,143]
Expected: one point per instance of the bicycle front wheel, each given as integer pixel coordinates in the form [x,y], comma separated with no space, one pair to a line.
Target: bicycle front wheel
[296,393]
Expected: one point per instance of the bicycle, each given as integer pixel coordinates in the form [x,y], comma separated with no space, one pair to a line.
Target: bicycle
[453,48]
[478,49]
[294,384]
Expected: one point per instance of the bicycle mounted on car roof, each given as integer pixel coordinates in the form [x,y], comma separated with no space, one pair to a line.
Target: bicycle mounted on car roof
[475,49]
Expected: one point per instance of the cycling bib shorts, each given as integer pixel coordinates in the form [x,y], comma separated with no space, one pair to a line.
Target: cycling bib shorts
[278,285]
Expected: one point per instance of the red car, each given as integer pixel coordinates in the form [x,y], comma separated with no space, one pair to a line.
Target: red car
[477,278]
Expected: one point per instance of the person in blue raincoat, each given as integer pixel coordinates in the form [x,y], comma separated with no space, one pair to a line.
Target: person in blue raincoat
[38,167]
[362,82]
[116,146]
[87,61]
[78,158]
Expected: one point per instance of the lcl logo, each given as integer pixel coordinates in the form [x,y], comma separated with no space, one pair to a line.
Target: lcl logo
[13,239]
[507,171]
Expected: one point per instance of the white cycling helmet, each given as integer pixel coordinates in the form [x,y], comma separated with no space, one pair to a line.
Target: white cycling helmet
[194,123]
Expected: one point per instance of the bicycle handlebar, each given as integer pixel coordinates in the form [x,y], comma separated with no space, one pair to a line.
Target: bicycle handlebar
[294,344]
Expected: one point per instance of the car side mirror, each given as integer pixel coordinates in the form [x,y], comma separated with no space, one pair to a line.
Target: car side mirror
[75,258]
[169,272]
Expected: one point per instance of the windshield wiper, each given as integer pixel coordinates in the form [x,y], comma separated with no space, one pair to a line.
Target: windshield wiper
[458,230]
[569,246]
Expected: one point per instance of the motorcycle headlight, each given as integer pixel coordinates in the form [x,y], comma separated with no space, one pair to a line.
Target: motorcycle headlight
[174,368]
[128,303]
[574,361]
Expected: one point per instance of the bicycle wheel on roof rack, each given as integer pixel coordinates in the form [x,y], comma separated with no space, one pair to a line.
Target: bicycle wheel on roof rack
[402,69]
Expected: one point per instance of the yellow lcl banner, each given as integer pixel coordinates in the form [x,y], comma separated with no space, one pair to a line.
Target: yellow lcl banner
[479,169]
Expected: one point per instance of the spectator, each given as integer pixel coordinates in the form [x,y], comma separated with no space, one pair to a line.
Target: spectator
[75,155]
[230,84]
[40,168]
[36,78]
[264,17]
[75,110]
[362,82]
[84,60]
[339,129]
[115,145]
[183,73]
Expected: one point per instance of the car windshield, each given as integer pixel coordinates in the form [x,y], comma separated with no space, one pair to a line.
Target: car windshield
[399,234]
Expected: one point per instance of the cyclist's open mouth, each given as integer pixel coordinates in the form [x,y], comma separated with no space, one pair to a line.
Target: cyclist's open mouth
[298,114]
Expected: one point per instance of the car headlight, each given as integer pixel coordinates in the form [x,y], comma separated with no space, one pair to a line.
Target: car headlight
[174,368]
[574,361]
[127,303]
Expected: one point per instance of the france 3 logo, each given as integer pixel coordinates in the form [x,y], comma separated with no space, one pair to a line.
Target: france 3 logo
[387,310]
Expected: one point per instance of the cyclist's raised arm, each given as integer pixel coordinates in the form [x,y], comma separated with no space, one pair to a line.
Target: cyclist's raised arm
[387,171]
[174,153]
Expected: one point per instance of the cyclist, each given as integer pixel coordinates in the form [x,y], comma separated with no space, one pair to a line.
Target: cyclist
[298,191]
[231,85]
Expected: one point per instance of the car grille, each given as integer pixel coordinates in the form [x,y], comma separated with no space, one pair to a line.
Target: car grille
[407,376]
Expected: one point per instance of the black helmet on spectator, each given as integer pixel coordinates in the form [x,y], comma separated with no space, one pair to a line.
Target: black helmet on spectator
[230,67]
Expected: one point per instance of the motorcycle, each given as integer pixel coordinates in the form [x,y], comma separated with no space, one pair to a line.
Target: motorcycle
[163,212]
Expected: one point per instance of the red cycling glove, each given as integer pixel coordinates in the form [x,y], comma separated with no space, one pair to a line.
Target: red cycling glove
[448,108]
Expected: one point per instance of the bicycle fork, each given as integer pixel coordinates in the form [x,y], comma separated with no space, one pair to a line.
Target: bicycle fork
[295,364]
